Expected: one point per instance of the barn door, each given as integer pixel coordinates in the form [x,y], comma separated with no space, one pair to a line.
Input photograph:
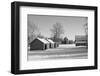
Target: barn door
[45,46]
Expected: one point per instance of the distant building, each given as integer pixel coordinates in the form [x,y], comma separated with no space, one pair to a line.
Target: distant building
[81,40]
[39,44]
[51,43]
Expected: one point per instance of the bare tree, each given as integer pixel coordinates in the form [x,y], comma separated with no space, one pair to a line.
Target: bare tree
[40,35]
[86,28]
[86,32]
[57,30]
[33,31]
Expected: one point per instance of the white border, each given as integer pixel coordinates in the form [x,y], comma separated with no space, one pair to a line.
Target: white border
[26,65]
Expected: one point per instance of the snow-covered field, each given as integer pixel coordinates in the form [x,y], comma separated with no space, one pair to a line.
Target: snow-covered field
[63,51]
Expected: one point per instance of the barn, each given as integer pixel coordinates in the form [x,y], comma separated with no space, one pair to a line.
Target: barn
[81,40]
[39,44]
[51,43]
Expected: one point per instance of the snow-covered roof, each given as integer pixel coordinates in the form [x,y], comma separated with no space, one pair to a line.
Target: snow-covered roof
[43,40]
[50,41]
[80,37]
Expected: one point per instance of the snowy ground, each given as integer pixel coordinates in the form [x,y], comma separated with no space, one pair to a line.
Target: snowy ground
[63,51]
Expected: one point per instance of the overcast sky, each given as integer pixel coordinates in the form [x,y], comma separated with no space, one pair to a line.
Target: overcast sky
[72,25]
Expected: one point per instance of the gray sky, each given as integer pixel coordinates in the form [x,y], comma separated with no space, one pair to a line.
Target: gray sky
[72,25]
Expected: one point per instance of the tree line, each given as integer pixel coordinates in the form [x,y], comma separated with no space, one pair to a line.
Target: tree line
[56,33]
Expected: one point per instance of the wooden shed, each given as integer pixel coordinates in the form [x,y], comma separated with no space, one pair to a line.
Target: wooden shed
[39,44]
[51,43]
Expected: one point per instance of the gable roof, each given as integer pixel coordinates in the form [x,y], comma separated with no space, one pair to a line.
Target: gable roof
[43,40]
[50,41]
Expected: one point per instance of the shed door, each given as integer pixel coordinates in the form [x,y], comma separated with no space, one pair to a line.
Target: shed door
[45,46]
